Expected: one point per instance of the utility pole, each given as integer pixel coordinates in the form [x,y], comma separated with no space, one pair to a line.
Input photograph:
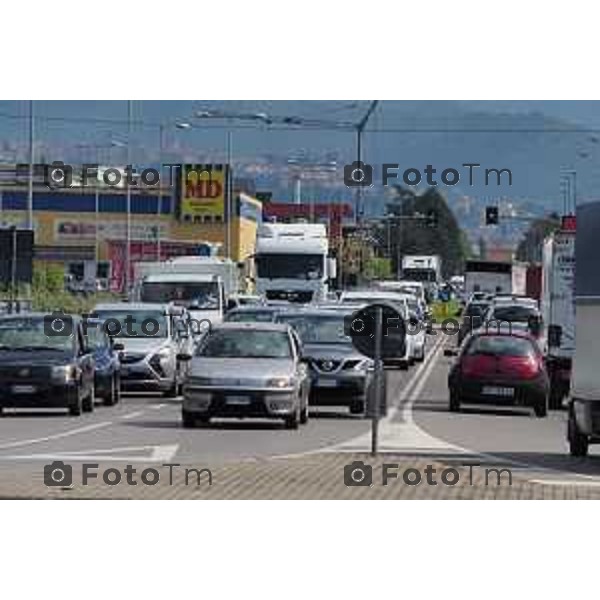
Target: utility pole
[229,197]
[31,163]
[127,276]
[360,127]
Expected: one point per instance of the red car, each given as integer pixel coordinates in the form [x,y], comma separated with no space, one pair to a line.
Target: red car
[500,369]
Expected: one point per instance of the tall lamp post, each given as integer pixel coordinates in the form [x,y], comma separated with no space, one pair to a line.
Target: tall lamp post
[162,131]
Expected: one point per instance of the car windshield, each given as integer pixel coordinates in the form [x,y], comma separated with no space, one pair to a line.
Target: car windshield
[396,302]
[318,329]
[250,316]
[290,266]
[96,336]
[134,323]
[521,313]
[200,295]
[476,309]
[245,343]
[32,333]
[500,345]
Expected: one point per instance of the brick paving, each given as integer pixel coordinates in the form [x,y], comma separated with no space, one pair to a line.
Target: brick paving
[313,476]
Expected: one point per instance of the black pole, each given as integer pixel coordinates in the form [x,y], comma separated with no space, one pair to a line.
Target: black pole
[13,271]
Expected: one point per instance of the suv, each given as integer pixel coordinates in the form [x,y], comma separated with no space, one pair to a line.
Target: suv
[45,363]
[152,337]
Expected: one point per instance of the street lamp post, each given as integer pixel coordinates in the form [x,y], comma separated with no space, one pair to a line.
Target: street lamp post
[229,186]
[31,163]
[127,275]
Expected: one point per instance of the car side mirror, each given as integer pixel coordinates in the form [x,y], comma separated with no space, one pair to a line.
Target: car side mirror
[184,357]
[450,352]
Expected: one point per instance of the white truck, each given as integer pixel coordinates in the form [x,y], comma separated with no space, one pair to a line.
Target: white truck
[584,403]
[292,262]
[422,268]
[488,276]
[557,306]
[201,284]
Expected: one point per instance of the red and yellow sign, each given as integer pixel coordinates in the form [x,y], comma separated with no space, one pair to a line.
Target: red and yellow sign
[203,189]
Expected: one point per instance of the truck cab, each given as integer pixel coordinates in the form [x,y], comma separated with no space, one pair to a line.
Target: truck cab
[292,262]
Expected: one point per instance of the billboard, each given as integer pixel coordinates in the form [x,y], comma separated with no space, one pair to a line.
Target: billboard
[201,192]
[71,230]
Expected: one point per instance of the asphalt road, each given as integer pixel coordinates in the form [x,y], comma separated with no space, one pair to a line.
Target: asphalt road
[147,429]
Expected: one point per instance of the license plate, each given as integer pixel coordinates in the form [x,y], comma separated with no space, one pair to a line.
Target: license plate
[328,383]
[23,389]
[238,400]
[498,391]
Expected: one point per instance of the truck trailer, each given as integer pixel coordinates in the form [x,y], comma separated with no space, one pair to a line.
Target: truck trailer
[558,311]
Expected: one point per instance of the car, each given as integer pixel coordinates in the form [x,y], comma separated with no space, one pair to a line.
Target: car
[45,365]
[252,314]
[247,299]
[406,355]
[472,318]
[499,369]
[246,370]
[151,344]
[514,315]
[340,375]
[107,375]
[417,330]
[515,299]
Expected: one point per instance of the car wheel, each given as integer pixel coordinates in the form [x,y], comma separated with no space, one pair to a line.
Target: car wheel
[75,409]
[304,413]
[110,400]
[87,405]
[454,403]
[293,420]
[403,365]
[117,389]
[540,408]
[556,397]
[172,391]
[357,407]
[188,419]
[578,442]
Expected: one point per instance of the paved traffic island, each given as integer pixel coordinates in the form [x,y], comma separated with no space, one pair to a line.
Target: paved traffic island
[325,476]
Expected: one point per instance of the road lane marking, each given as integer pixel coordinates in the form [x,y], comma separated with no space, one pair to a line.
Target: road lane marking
[133,415]
[158,454]
[57,436]
[566,482]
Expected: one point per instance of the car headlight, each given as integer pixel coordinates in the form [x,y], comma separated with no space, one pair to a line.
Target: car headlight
[364,365]
[280,382]
[162,354]
[65,373]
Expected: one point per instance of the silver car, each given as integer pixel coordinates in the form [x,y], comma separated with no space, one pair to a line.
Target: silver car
[247,370]
[151,341]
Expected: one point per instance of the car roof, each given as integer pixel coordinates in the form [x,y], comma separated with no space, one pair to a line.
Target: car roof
[251,308]
[523,334]
[120,306]
[254,326]
[319,312]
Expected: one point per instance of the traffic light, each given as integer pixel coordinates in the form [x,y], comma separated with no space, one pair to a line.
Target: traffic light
[431,218]
[492,216]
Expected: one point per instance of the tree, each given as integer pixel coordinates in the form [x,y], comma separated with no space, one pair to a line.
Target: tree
[530,246]
[408,236]
[378,268]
